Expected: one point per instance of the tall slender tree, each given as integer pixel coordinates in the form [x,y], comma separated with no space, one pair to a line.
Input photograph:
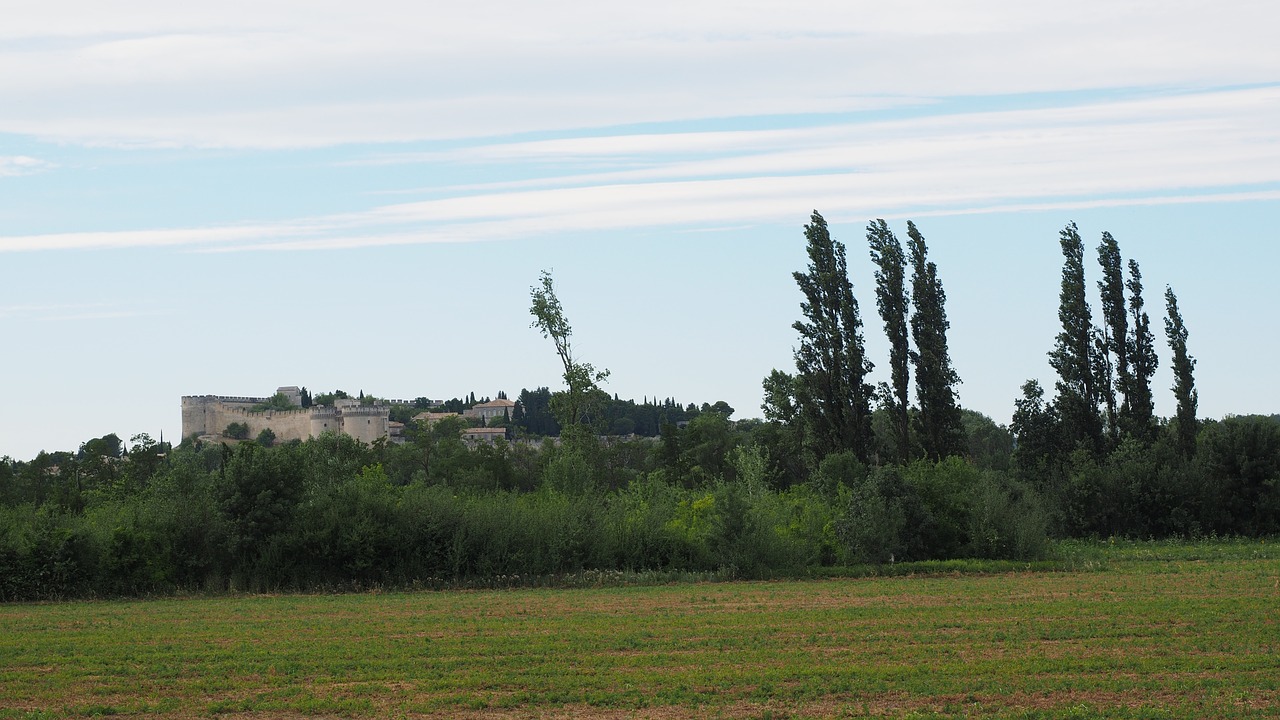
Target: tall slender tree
[1115,333]
[582,381]
[1184,385]
[892,302]
[1073,354]
[941,422]
[1140,419]
[832,395]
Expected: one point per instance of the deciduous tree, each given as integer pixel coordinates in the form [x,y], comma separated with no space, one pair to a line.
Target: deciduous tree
[892,302]
[832,395]
[1073,354]
[582,392]
[1184,385]
[1115,329]
[1140,420]
[941,422]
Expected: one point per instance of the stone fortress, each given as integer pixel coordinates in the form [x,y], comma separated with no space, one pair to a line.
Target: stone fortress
[207,416]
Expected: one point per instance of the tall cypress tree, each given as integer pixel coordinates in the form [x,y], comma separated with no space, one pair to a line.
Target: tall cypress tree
[892,301]
[1140,418]
[1184,385]
[1115,332]
[1073,354]
[941,422]
[832,395]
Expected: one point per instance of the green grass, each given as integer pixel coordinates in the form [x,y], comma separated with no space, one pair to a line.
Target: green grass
[1142,630]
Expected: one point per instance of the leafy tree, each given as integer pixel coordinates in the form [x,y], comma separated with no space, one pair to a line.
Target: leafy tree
[276,402]
[267,438]
[892,301]
[1036,427]
[237,431]
[256,492]
[1115,331]
[581,398]
[329,398]
[782,435]
[941,423]
[1242,456]
[832,395]
[1140,419]
[780,398]
[990,445]
[705,445]
[108,445]
[145,459]
[1184,386]
[1073,354]
[723,408]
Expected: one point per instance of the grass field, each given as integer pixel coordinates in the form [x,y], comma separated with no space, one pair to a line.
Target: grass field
[1137,630]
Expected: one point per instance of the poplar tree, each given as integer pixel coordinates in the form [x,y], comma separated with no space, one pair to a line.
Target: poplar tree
[1140,346]
[1073,353]
[580,399]
[1115,333]
[941,422]
[1184,386]
[892,302]
[832,395]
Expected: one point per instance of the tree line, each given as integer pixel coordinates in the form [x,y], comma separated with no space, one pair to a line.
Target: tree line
[838,472]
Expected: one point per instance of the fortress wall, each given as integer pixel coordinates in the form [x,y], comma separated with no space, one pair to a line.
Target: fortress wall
[286,424]
[325,419]
[366,424]
[211,414]
[207,414]
[199,414]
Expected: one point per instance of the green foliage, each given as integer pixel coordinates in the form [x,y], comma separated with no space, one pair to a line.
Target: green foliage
[1140,348]
[892,303]
[256,492]
[832,396]
[582,399]
[1241,454]
[279,401]
[1074,355]
[879,511]
[941,428]
[1115,330]
[989,445]
[1184,385]
[237,431]
[947,509]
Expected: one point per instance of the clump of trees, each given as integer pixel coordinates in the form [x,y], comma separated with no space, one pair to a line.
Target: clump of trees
[1097,450]
[897,472]
[838,472]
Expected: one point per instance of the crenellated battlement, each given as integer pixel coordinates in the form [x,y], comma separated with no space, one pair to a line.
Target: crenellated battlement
[365,410]
[225,399]
[270,412]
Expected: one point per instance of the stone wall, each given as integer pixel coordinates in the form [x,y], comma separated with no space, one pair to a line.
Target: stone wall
[211,414]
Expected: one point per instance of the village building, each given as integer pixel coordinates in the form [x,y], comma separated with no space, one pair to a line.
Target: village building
[486,411]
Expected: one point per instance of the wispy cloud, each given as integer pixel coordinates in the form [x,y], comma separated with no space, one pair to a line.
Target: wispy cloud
[15,165]
[241,74]
[1222,145]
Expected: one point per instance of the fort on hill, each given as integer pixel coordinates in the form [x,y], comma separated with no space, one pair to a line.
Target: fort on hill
[207,417]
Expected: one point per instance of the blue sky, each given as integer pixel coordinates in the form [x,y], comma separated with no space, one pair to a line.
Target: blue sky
[229,198]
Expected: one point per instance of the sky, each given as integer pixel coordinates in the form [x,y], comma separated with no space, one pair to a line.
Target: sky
[224,198]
